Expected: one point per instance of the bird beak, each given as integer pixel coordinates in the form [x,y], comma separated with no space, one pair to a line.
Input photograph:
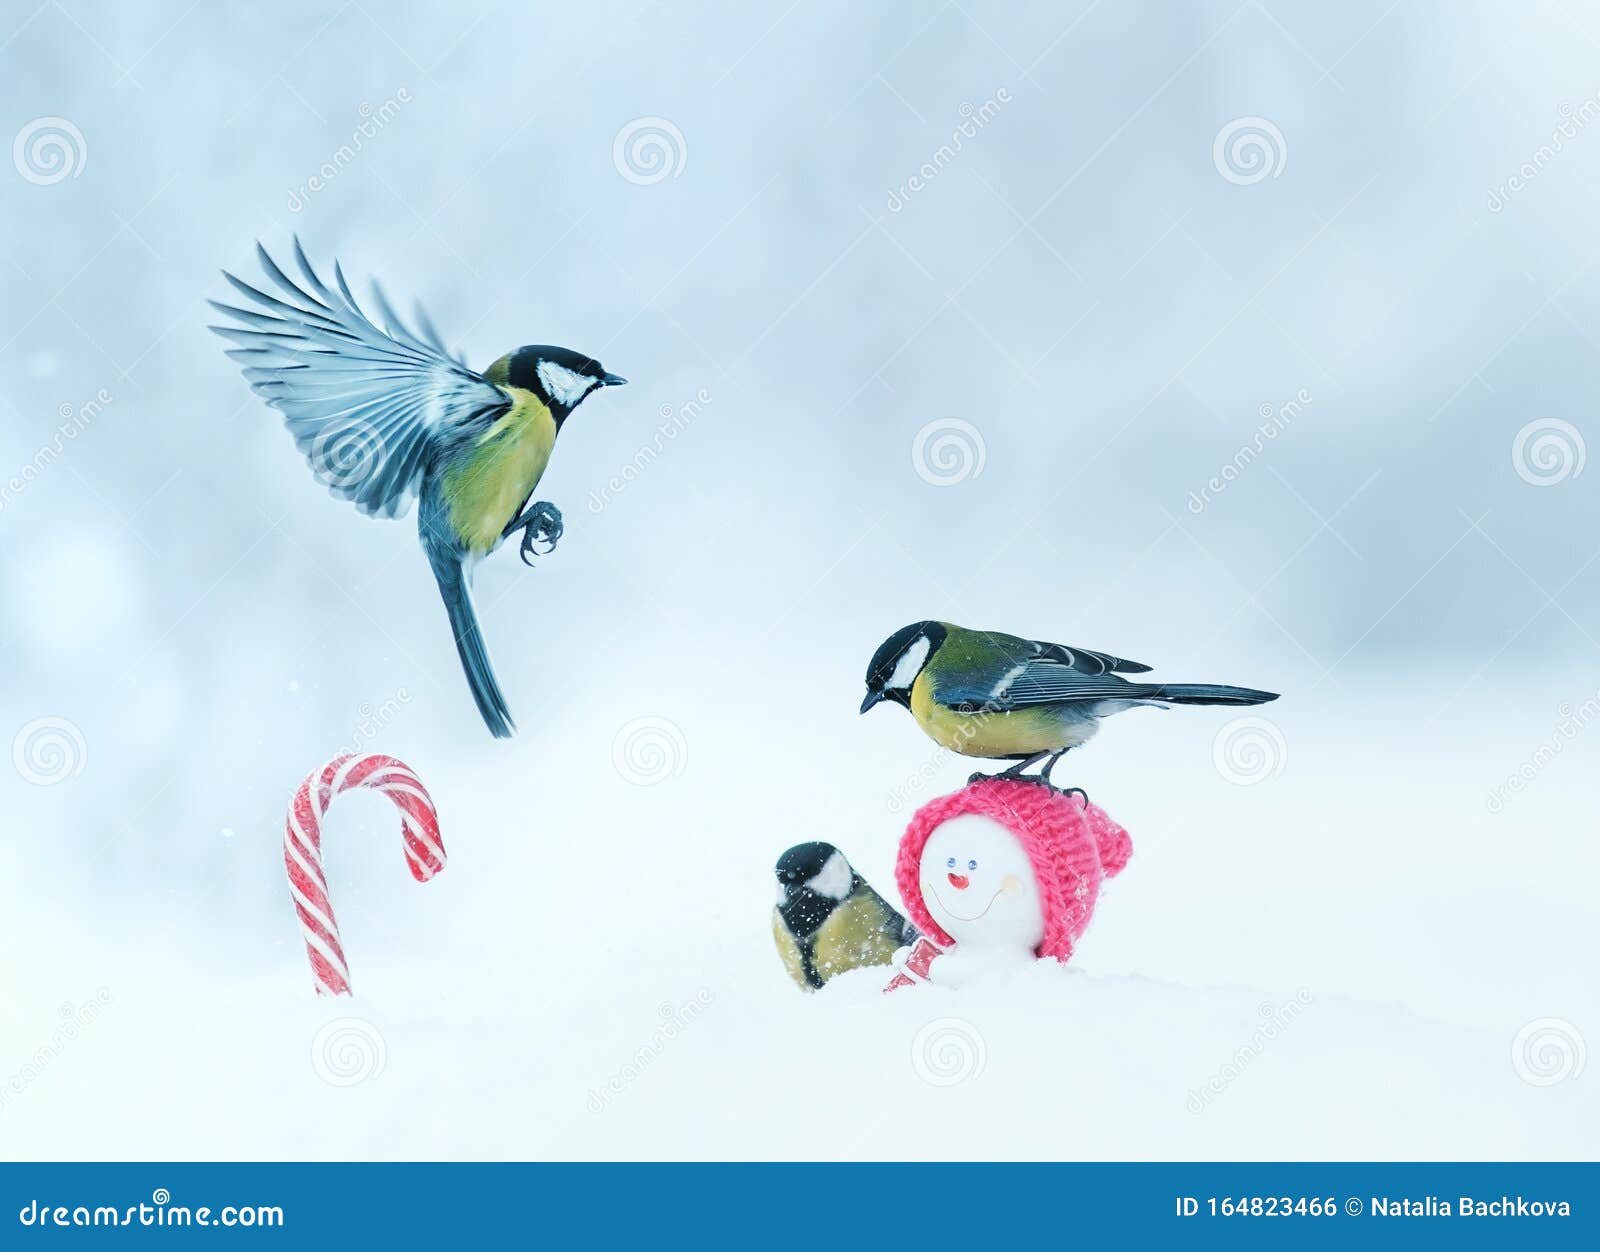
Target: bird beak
[612,380]
[873,697]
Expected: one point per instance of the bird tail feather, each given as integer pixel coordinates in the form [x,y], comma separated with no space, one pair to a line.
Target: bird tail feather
[1209,693]
[473,652]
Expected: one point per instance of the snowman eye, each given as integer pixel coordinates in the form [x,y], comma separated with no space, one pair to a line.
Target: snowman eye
[951,863]
[971,865]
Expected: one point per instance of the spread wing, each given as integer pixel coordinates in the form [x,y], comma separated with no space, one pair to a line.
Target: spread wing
[1033,672]
[362,403]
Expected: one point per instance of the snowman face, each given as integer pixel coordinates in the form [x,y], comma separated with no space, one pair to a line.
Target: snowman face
[979,886]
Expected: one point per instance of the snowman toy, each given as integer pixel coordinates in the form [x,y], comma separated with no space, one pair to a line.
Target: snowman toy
[979,887]
[999,875]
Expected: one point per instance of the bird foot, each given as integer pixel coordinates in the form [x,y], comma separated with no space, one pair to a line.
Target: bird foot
[544,526]
[1038,780]
[1015,771]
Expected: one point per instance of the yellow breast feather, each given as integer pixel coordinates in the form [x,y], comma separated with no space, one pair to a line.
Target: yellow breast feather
[489,483]
[1019,732]
[856,934]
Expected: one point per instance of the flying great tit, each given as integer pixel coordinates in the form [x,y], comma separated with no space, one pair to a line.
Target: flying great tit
[828,920]
[985,694]
[384,416]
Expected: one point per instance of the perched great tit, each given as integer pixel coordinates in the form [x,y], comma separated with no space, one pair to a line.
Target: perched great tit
[985,694]
[385,416]
[828,920]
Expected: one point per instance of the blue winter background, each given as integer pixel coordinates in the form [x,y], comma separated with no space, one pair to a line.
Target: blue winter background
[950,311]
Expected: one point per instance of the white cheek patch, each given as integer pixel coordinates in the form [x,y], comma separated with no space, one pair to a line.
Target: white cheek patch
[563,385]
[833,880]
[910,663]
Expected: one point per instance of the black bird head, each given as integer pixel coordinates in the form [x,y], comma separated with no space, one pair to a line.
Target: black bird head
[560,377]
[812,879]
[896,664]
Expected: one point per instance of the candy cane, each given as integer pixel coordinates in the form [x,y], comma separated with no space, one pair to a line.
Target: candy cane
[302,849]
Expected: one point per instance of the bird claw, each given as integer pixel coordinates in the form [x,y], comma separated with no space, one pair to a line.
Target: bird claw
[1038,780]
[544,527]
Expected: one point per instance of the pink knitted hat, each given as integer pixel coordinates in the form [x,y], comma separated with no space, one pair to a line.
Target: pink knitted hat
[1072,848]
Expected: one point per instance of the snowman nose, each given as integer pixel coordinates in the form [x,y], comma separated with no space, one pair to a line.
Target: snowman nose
[959,881]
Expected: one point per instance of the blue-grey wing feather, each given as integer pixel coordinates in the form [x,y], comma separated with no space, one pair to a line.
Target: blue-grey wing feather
[430,333]
[362,402]
[1086,660]
[1026,673]
[1045,681]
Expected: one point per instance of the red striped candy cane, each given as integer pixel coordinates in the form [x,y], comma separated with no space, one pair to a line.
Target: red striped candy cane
[302,849]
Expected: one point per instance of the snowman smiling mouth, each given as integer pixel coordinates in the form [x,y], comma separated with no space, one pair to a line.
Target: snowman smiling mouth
[962,886]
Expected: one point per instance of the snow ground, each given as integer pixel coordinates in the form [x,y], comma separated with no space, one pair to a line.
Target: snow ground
[595,980]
